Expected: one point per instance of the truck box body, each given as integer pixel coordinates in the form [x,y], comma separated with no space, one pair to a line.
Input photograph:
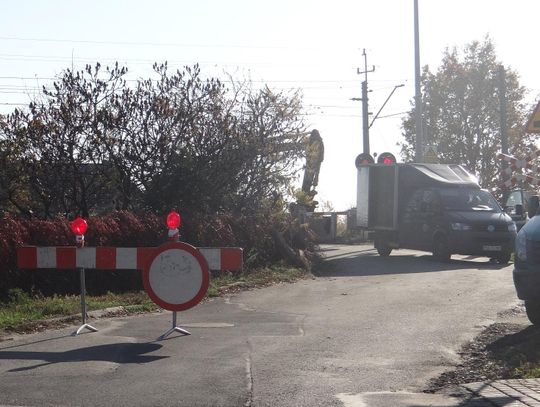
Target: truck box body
[383,188]
[432,207]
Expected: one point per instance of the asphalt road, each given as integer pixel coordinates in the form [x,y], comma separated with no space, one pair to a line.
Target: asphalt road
[366,331]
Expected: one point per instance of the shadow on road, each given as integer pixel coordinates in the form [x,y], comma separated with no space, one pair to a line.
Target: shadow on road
[366,262]
[493,401]
[487,396]
[475,401]
[121,353]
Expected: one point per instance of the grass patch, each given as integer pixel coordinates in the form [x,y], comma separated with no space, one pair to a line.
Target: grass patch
[528,371]
[520,352]
[230,282]
[21,308]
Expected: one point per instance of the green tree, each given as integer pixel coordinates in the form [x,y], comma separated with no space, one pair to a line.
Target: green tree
[14,194]
[67,172]
[176,141]
[462,112]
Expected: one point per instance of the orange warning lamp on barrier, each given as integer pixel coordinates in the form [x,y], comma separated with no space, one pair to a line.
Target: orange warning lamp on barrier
[173,223]
[79,226]
[173,220]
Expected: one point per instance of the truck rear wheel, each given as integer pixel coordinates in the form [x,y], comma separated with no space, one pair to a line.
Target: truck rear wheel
[533,311]
[382,247]
[441,251]
[384,251]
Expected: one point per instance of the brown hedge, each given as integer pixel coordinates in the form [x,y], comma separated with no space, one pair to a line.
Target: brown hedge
[119,229]
[252,232]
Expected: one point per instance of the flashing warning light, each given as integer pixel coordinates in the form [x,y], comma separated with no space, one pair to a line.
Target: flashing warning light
[363,159]
[386,158]
[79,226]
[173,220]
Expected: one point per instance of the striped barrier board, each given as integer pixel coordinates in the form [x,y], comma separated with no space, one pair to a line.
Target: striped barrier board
[115,258]
[175,274]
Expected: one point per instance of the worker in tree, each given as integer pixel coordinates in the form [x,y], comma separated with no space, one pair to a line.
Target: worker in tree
[314,158]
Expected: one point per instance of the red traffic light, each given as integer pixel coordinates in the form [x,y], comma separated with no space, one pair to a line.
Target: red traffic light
[173,220]
[386,158]
[79,226]
[363,159]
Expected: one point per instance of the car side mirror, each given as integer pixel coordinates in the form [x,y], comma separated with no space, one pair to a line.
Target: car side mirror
[534,204]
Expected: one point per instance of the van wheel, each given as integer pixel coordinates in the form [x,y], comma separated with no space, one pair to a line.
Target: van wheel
[533,311]
[382,248]
[503,258]
[441,251]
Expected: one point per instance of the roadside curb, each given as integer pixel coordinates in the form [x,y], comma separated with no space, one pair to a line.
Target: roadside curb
[60,322]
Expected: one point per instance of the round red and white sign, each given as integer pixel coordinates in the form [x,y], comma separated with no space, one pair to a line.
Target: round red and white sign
[176,276]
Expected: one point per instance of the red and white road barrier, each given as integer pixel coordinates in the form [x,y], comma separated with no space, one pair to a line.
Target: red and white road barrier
[175,275]
[115,258]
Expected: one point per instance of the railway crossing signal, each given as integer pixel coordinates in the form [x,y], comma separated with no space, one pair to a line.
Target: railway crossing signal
[386,158]
[510,179]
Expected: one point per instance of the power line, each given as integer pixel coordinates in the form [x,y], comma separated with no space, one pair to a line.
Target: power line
[26,77]
[20,87]
[354,83]
[165,44]
[14,92]
[393,115]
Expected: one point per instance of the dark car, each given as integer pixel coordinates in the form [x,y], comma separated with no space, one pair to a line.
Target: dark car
[527,263]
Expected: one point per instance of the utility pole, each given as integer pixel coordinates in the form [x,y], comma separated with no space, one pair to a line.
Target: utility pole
[502,107]
[503,122]
[365,109]
[419,151]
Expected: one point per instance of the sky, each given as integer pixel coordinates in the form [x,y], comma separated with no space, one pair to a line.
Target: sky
[312,45]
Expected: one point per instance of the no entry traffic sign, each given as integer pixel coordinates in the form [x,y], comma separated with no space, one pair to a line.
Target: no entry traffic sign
[176,276]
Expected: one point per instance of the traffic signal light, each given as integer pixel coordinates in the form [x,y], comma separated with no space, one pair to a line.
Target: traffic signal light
[363,159]
[386,158]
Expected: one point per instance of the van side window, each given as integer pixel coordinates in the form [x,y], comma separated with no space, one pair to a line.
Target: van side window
[413,205]
[435,205]
[431,201]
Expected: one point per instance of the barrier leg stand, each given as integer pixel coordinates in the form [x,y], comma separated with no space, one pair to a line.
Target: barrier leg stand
[83,306]
[174,329]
